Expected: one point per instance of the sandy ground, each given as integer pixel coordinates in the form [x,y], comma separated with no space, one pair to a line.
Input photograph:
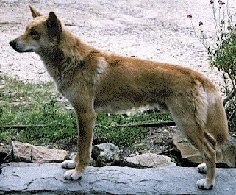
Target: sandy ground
[149,29]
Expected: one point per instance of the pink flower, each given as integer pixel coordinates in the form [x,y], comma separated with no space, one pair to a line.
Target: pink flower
[189,16]
[221,2]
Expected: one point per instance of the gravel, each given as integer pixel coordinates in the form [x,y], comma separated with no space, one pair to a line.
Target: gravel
[156,30]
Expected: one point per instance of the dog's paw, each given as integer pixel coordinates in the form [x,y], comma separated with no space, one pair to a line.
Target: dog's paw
[68,164]
[203,185]
[72,175]
[202,168]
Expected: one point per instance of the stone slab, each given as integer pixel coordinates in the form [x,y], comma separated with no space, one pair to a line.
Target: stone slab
[47,178]
[148,160]
[25,152]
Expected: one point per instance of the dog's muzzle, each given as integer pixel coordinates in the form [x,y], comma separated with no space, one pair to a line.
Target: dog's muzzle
[20,47]
[14,45]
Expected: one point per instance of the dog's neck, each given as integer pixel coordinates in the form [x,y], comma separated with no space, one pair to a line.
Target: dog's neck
[69,51]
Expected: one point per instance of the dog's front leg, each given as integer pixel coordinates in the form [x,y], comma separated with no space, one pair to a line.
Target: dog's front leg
[85,124]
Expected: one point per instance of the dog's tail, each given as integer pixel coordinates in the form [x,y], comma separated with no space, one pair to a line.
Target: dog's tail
[217,124]
[217,127]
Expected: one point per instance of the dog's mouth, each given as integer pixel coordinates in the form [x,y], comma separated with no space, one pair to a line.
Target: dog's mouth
[16,46]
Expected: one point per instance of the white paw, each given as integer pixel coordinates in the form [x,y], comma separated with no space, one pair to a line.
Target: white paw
[202,184]
[68,164]
[202,168]
[72,175]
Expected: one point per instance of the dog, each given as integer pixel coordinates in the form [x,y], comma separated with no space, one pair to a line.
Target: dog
[95,81]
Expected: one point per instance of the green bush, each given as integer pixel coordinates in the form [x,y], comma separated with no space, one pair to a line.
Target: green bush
[223,56]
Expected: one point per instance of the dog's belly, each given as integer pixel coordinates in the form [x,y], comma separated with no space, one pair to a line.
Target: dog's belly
[114,107]
[123,107]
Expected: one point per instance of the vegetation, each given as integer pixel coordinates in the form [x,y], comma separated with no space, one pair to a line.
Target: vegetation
[222,54]
[224,58]
[39,104]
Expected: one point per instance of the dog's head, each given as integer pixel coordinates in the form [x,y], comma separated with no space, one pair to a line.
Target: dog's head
[43,32]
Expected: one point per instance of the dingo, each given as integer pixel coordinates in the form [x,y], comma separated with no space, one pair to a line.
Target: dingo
[95,81]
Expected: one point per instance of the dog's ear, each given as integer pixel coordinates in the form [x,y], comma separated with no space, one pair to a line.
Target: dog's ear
[34,12]
[53,25]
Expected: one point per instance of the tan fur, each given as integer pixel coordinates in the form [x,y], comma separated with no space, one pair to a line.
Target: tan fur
[96,81]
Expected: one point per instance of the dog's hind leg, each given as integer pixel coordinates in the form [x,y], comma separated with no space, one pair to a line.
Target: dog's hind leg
[209,155]
[206,145]
[85,123]
[193,125]
[215,135]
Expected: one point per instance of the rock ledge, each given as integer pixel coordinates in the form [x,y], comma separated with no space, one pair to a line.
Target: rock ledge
[27,178]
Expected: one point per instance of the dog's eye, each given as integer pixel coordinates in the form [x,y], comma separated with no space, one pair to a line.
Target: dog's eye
[34,34]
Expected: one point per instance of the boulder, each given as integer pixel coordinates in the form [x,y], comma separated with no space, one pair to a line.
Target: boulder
[191,156]
[25,152]
[105,154]
[47,179]
[5,153]
[148,160]
[229,152]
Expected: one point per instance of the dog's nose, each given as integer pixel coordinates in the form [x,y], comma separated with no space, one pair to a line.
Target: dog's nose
[13,43]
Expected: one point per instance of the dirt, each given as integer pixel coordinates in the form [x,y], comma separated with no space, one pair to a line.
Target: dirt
[156,30]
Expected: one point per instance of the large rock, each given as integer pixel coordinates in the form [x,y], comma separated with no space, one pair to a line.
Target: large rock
[191,156]
[105,154]
[3,152]
[47,179]
[25,152]
[148,160]
[229,152]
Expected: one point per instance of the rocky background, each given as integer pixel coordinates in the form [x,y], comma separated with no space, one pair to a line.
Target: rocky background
[156,30]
